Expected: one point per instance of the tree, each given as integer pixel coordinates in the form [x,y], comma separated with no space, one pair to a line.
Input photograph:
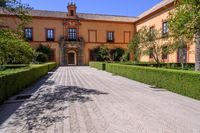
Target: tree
[125,56]
[152,43]
[134,47]
[43,53]
[14,50]
[184,24]
[104,53]
[18,9]
[116,54]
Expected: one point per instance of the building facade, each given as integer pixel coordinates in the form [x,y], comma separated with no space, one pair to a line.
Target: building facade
[72,36]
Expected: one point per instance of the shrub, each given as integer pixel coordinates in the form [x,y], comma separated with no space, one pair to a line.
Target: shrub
[43,53]
[117,54]
[15,80]
[125,57]
[103,53]
[14,50]
[179,81]
[41,57]
[98,65]
[187,66]
[13,66]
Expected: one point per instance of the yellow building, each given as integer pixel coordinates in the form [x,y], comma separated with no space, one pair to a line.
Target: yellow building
[72,35]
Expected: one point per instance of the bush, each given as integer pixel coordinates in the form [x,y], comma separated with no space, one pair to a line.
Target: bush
[125,57]
[13,66]
[41,57]
[98,65]
[179,81]
[14,50]
[15,80]
[43,53]
[187,66]
[117,54]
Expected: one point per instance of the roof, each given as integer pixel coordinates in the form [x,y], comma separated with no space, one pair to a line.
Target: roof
[107,17]
[85,16]
[57,14]
[163,3]
[98,17]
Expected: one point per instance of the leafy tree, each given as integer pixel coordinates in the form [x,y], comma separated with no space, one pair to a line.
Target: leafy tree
[134,47]
[104,53]
[151,43]
[125,56]
[14,50]
[43,53]
[117,54]
[184,24]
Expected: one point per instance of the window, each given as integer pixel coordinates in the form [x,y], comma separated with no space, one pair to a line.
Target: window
[50,35]
[164,53]
[71,13]
[28,33]
[165,28]
[72,34]
[110,36]
[151,53]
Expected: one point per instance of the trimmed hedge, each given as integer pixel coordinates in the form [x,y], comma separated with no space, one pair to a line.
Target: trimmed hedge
[14,81]
[98,65]
[187,66]
[9,66]
[183,82]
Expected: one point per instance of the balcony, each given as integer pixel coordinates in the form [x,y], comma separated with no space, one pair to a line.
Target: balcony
[66,39]
[73,43]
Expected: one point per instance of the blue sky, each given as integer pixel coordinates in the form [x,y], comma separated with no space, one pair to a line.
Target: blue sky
[112,7]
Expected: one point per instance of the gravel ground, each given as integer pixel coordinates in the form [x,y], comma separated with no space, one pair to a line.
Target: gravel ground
[86,100]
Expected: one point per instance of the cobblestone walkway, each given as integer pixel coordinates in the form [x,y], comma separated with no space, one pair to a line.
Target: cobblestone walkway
[86,100]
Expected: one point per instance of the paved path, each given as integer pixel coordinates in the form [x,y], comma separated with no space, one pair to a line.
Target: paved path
[86,100]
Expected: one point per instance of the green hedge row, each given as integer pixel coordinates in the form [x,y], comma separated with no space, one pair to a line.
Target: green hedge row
[98,65]
[14,81]
[187,66]
[3,67]
[183,82]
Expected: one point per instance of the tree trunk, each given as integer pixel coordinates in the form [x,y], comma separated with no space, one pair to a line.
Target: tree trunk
[197,52]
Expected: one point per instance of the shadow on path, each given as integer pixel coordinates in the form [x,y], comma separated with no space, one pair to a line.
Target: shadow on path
[46,106]
[7,109]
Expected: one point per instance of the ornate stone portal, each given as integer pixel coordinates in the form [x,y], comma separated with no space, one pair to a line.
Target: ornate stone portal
[67,47]
[71,45]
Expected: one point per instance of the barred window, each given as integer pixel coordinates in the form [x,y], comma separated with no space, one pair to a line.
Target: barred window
[110,36]
[165,29]
[72,34]
[28,33]
[50,35]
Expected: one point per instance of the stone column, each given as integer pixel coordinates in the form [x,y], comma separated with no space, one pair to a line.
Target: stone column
[62,53]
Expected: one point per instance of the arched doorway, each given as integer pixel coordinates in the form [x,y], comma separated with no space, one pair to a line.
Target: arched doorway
[71,57]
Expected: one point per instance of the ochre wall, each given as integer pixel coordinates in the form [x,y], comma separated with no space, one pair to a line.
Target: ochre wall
[95,33]
[99,31]
[100,28]
[156,20]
